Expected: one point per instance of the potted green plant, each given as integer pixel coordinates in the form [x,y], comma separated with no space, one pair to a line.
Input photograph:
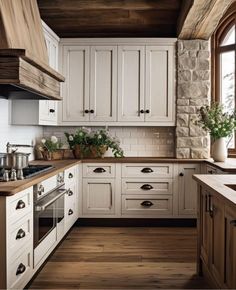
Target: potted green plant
[50,148]
[220,125]
[87,143]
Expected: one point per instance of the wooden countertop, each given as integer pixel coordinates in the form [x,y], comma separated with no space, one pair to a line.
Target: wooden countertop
[228,166]
[217,184]
[12,187]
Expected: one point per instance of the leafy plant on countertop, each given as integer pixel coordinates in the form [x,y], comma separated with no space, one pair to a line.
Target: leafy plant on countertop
[50,145]
[99,139]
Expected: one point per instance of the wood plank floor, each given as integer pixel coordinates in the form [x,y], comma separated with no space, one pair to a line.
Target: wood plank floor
[123,258]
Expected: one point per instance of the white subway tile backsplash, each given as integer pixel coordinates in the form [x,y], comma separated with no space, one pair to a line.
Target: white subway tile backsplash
[135,141]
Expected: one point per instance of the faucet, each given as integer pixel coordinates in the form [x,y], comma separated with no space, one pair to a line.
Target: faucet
[10,150]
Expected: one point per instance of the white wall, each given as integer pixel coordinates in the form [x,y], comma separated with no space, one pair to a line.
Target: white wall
[16,134]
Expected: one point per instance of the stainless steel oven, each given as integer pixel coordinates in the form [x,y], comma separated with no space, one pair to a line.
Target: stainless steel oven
[48,212]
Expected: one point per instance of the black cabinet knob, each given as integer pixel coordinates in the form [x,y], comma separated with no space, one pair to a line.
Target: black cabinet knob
[52,111]
[70,175]
[86,111]
[91,111]
[181,174]
[20,204]
[99,170]
[146,187]
[20,269]
[70,192]
[147,170]
[146,203]
[142,111]
[147,111]
[70,212]
[20,234]
[233,222]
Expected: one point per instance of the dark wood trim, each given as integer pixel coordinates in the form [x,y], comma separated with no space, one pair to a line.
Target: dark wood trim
[185,8]
[138,222]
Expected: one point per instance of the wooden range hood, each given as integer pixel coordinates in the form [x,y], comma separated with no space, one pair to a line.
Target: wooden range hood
[24,68]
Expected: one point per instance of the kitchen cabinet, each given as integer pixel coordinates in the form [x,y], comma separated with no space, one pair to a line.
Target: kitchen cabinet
[216,239]
[118,81]
[187,189]
[39,112]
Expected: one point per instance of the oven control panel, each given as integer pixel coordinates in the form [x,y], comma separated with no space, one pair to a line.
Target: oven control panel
[44,187]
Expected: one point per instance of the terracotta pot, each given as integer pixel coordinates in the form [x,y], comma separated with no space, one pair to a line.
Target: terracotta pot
[219,150]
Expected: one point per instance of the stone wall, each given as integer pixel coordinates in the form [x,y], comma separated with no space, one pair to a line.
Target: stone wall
[193,91]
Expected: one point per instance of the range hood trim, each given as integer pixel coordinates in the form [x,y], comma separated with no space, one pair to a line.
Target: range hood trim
[15,68]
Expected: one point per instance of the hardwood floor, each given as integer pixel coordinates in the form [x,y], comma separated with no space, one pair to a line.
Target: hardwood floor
[123,258]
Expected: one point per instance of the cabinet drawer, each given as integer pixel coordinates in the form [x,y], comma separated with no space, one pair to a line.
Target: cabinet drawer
[19,205]
[211,169]
[71,193]
[146,205]
[147,186]
[19,234]
[70,215]
[98,170]
[147,170]
[70,175]
[20,270]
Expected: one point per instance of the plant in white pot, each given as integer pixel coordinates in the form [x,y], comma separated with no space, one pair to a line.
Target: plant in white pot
[220,125]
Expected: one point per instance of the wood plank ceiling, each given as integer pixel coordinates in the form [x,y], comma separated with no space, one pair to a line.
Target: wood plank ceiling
[108,18]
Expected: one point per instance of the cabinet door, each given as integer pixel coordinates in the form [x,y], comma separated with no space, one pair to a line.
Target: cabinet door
[159,89]
[218,236]
[230,247]
[98,197]
[205,227]
[75,67]
[187,189]
[103,83]
[131,83]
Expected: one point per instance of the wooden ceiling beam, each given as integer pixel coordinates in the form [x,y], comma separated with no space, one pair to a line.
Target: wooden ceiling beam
[77,5]
[202,18]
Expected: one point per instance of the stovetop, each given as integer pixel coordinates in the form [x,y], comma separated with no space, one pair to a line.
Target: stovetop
[31,170]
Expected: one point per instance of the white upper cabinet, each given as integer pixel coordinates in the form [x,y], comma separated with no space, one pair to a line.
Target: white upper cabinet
[103,83]
[39,112]
[159,86]
[131,71]
[118,82]
[75,68]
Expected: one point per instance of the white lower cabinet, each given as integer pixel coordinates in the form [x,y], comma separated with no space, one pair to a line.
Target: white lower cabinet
[187,189]
[98,196]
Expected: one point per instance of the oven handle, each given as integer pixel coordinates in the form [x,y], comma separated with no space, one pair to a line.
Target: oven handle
[46,204]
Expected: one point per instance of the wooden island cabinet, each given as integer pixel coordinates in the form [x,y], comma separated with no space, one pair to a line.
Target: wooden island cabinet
[216,235]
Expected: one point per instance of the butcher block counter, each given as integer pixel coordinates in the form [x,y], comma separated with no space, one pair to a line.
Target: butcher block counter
[12,187]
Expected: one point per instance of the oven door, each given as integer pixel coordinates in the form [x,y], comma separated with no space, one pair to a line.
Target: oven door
[48,211]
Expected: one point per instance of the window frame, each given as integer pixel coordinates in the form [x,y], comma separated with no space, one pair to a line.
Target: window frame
[223,28]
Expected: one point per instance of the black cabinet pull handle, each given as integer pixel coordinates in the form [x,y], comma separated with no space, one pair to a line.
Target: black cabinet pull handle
[146,187]
[210,171]
[233,222]
[21,269]
[86,111]
[99,170]
[91,111]
[142,111]
[70,175]
[147,111]
[181,174]
[20,234]
[70,212]
[147,170]
[20,204]
[146,203]
[70,192]
[52,111]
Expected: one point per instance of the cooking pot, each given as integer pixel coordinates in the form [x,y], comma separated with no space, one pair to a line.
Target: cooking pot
[15,160]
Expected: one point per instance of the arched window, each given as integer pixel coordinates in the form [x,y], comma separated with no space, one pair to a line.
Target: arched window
[224,66]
